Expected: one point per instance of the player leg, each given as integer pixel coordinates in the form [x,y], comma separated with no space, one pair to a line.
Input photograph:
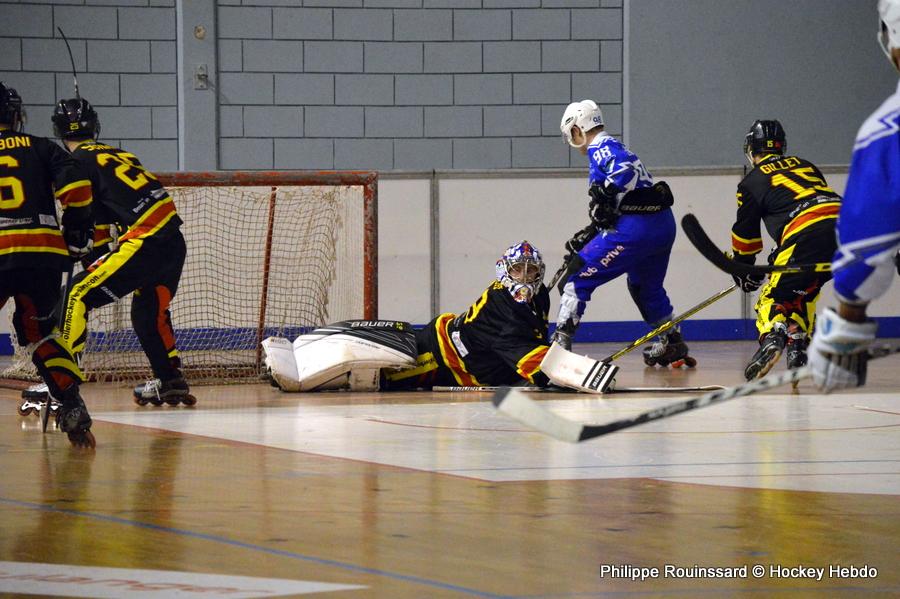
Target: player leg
[787,303]
[34,320]
[655,235]
[602,259]
[152,323]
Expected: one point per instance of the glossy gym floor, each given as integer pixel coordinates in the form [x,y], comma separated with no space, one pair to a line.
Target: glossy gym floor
[256,493]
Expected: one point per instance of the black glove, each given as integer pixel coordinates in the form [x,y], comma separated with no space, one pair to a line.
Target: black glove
[581,238]
[79,240]
[602,208]
[749,282]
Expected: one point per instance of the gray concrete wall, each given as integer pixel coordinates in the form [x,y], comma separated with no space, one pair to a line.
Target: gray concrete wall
[701,71]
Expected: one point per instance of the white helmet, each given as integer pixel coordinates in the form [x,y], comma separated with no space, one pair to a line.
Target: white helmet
[889,30]
[585,115]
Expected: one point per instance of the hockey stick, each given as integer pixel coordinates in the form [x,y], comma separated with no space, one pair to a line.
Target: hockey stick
[520,407]
[669,324]
[708,248]
[554,389]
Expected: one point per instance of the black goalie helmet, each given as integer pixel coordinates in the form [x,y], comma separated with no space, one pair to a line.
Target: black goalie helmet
[75,119]
[11,111]
[765,137]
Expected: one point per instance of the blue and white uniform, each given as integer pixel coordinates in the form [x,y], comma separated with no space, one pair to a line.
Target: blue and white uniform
[638,245]
[869,223]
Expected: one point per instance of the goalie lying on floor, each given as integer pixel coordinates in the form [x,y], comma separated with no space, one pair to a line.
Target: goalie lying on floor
[500,340]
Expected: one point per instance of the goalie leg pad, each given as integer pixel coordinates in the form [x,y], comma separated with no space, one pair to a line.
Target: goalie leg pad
[281,363]
[327,358]
[568,369]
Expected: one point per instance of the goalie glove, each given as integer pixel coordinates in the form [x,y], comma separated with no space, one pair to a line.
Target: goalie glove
[79,241]
[838,355]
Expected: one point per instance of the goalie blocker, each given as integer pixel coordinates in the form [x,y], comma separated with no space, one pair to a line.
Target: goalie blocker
[351,355]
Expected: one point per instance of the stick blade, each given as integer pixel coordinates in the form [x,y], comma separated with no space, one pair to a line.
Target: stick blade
[518,406]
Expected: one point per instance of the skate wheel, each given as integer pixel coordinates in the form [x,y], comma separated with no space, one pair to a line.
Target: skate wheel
[140,401]
[156,401]
[82,439]
[690,362]
[189,400]
[173,401]
[678,363]
[24,412]
[650,361]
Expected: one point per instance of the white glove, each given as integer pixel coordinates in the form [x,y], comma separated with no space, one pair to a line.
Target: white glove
[838,354]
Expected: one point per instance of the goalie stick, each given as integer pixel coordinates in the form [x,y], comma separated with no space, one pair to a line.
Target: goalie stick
[554,389]
[711,252]
[517,405]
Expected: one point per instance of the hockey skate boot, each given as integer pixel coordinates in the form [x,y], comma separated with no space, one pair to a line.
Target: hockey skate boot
[73,419]
[173,392]
[770,348]
[797,342]
[669,350]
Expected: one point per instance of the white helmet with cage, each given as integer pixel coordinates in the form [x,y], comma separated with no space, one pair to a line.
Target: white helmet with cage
[521,271]
[889,27]
[585,115]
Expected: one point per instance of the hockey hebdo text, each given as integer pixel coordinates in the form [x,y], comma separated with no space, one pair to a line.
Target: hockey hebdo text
[832,571]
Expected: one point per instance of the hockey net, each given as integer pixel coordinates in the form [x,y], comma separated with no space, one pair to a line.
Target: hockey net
[269,253]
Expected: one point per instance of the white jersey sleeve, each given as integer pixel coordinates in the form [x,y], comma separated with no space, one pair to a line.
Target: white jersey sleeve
[869,224]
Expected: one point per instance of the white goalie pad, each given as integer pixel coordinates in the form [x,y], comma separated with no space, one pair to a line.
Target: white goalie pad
[316,362]
[586,374]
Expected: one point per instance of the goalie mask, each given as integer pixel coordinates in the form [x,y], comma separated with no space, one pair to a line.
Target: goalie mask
[764,137]
[521,271]
[75,119]
[11,111]
[585,115]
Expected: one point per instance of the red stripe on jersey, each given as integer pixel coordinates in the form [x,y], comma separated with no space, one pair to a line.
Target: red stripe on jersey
[41,240]
[809,217]
[75,195]
[448,352]
[746,246]
[152,220]
[530,364]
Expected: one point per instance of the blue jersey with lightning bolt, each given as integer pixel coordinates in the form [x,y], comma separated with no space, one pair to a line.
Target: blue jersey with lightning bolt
[613,163]
[869,223]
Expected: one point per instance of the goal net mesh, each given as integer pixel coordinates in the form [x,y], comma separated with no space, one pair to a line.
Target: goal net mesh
[268,254]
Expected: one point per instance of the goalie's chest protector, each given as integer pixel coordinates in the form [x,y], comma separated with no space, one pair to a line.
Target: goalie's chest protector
[496,330]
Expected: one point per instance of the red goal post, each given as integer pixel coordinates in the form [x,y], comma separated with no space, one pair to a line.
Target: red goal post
[269,253]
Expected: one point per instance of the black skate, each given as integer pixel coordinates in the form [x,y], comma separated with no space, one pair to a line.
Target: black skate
[796,352]
[157,392]
[34,398]
[670,350]
[73,419]
[770,348]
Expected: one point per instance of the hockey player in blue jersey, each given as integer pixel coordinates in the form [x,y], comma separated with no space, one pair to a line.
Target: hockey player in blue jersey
[868,234]
[631,232]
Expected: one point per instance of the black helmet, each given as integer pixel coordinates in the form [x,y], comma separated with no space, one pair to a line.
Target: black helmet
[765,137]
[11,111]
[75,119]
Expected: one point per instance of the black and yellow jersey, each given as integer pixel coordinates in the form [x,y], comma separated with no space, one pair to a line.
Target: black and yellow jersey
[497,341]
[126,193]
[788,194]
[34,171]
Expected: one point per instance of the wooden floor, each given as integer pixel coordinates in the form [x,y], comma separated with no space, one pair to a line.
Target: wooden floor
[255,493]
